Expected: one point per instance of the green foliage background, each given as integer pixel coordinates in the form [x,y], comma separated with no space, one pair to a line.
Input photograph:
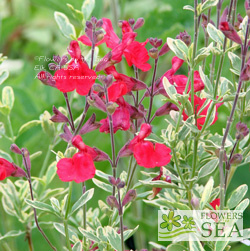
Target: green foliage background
[27,31]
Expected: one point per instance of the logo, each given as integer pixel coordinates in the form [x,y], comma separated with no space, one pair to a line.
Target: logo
[203,225]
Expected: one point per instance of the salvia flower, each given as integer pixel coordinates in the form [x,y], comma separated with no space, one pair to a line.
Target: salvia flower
[81,166]
[198,104]
[129,196]
[77,76]
[215,204]
[8,169]
[46,78]
[241,131]
[227,29]
[146,153]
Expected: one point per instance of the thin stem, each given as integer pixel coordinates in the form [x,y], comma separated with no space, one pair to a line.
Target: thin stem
[92,49]
[13,138]
[82,118]
[206,38]
[65,221]
[28,237]
[70,112]
[195,155]
[131,176]
[112,138]
[121,219]
[34,210]
[244,52]
[152,90]
[46,160]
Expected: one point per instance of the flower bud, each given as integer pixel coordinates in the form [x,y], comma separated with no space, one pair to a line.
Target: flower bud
[57,59]
[130,196]
[53,67]
[96,101]
[74,50]
[99,23]
[64,60]
[247,7]
[125,151]
[139,23]
[101,156]
[153,53]
[46,78]
[236,159]
[15,149]
[112,201]
[111,107]
[120,23]
[90,125]
[241,131]
[93,20]
[185,37]
[195,203]
[89,25]
[58,116]
[131,21]
[67,135]
[217,153]
[99,35]
[166,108]
[26,158]
[164,49]
[121,185]
[112,180]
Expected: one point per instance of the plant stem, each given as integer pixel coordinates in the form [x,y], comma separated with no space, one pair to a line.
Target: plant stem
[82,118]
[65,221]
[121,219]
[206,38]
[152,90]
[28,237]
[70,112]
[84,211]
[92,49]
[13,138]
[243,52]
[131,176]
[112,138]
[46,160]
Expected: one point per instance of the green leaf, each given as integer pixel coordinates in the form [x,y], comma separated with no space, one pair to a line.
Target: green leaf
[76,13]
[27,126]
[8,97]
[208,4]
[129,233]
[215,34]
[195,246]
[208,86]
[192,127]
[160,184]
[5,156]
[87,8]
[2,129]
[201,54]
[235,62]
[114,238]
[188,7]
[178,47]
[3,76]
[77,246]
[176,247]
[208,168]
[60,228]
[89,235]
[83,200]
[41,206]
[13,233]
[51,172]
[67,29]
[104,186]
[47,125]
[206,193]
[236,196]
[170,89]
[220,245]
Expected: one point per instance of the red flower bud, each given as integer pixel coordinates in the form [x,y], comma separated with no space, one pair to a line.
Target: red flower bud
[67,135]
[166,108]
[185,37]
[58,116]
[130,196]
[26,158]
[78,143]
[241,131]
[15,149]
[112,201]
[139,23]
[164,49]
[236,159]
[195,203]
[90,125]
[46,78]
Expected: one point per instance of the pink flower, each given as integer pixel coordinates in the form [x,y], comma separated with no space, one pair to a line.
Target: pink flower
[146,153]
[215,203]
[8,169]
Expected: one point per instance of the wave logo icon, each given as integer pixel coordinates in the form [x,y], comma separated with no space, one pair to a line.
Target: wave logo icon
[171,225]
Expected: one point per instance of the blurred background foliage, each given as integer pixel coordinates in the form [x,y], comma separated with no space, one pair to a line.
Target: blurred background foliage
[28,32]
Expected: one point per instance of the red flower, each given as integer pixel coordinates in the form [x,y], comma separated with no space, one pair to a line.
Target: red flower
[122,85]
[10,169]
[198,103]
[81,166]
[228,29]
[121,120]
[77,75]
[215,203]
[136,54]
[146,153]
[180,81]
